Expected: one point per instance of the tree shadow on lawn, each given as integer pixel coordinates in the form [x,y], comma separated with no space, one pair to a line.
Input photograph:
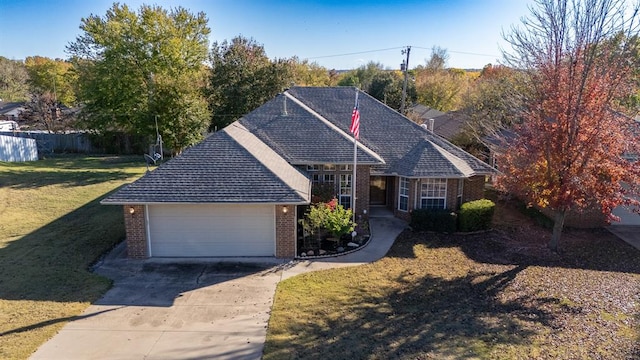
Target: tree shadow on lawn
[426,317]
[586,249]
[33,180]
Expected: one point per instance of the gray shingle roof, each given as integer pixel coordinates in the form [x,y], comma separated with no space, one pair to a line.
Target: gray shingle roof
[252,160]
[301,137]
[400,142]
[230,166]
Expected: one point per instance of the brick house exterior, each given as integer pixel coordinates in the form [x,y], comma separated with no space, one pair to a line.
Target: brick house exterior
[248,179]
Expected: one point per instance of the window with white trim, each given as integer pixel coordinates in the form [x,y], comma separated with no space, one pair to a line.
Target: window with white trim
[315,178]
[345,191]
[329,178]
[346,168]
[433,194]
[403,198]
[329,167]
[313,167]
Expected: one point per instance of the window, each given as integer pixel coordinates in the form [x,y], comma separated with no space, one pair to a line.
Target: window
[345,190]
[433,194]
[313,167]
[329,179]
[403,199]
[329,167]
[345,168]
[315,178]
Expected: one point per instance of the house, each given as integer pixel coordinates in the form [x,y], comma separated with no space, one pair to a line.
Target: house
[241,190]
[11,110]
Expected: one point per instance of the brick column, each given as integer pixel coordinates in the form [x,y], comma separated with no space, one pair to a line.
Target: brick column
[363,185]
[134,223]
[285,231]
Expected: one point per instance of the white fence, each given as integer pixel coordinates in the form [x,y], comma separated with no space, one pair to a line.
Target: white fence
[49,143]
[17,149]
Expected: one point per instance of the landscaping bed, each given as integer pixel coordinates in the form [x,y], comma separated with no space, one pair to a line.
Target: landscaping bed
[495,295]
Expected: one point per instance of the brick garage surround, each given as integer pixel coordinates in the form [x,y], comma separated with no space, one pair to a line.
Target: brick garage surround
[285,231]
[134,223]
[473,188]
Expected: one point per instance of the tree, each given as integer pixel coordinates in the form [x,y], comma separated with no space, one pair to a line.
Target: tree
[311,74]
[494,101]
[243,78]
[55,77]
[569,150]
[138,68]
[383,84]
[438,87]
[13,80]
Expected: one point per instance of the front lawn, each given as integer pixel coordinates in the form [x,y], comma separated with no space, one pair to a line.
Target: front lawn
[51,229]
[496,295]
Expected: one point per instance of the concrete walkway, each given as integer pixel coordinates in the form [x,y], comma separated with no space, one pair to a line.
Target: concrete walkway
[197,309]
[628,233]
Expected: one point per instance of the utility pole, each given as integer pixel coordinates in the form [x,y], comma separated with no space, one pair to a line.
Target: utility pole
[405,68]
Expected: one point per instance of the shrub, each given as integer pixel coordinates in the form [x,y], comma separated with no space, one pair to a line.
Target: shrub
[433,220]
[476,215]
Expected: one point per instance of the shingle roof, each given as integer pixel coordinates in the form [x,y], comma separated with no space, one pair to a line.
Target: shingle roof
[400,142]
[252,159]
[230,166]
[302,137]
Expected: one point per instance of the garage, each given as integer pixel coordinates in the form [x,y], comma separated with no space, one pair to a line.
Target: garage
[201,230]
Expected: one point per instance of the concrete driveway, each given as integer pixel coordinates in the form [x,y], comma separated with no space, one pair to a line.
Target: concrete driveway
[162,310]
[165,309]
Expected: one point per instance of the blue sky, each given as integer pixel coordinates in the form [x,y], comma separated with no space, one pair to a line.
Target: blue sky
[316,30]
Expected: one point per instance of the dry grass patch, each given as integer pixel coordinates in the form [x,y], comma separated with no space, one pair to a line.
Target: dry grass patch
[497,295]
[52,228]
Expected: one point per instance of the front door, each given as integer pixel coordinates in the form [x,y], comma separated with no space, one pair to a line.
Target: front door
[378,190]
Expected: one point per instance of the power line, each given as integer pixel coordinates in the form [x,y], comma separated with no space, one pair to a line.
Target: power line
[457,52]
[355,53]
[396,48]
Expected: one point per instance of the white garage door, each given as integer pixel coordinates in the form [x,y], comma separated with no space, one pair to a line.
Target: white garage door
[212,230]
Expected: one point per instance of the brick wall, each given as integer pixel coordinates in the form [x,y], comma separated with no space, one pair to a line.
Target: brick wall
[473,188]
[590,218]
[285,231]
[363,185]
[134,223]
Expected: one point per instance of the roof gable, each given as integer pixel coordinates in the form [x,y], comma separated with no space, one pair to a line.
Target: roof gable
[301,137]
[230,166]
[391,135]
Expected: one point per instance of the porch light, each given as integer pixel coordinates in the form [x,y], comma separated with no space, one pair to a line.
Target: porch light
[285,209]
[131,210]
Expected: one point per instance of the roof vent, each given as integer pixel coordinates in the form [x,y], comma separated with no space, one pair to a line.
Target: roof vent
[431,122]
[284,106]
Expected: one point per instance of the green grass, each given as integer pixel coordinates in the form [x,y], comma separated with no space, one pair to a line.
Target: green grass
[52,228]
[496,295]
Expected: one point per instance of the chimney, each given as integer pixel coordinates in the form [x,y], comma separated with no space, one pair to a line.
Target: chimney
[431,122]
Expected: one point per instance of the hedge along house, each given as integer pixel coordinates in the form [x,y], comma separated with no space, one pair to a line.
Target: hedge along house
[239,192]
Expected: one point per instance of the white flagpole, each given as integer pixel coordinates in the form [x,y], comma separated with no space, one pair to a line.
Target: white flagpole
[355,163]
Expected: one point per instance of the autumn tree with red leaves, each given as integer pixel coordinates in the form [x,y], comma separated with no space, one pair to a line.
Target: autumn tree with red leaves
[570,150]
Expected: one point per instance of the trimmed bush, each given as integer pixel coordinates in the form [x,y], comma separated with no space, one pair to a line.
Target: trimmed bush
[476,215]
[433,220]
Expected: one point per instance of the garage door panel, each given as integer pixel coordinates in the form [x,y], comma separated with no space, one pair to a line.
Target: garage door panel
[212,230]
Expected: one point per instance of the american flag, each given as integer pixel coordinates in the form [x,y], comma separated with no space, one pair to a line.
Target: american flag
[355,120]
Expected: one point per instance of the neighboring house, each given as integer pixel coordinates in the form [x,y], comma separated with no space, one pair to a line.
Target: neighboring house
[11,110]
[449,125]
[423,113]
[240,191]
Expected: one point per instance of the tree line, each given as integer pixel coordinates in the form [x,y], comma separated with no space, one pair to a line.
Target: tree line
[562,107]
[130,69]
